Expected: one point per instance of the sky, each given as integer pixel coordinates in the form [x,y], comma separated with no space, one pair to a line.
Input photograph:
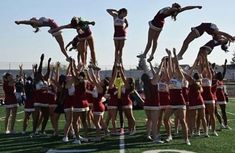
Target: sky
[19,44]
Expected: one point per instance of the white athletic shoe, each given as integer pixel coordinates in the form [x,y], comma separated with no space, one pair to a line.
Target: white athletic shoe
[198,133]
[227,127]
[188,142]
[7,132]
[77,141]
[133,132]
[65,139]
[149,138]
[158,141]
[83,139]
[169,138]
[215,133]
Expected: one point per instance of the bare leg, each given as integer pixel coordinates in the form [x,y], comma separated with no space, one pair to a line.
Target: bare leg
[191,36]
[60,41]
[7,119]
[154,46]
[91,46]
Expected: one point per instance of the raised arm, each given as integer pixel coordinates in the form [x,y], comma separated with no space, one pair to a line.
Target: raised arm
[177,66]
[68,26]
[170,66]
[189,8]
[151,67]
[156,76]
[228,36]
[112,12]
[47,75]
[114,74]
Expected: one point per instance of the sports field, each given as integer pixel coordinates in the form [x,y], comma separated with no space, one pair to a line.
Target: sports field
[19,143]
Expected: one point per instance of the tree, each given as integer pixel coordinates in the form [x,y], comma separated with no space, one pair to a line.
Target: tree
[142,65]
[233,59]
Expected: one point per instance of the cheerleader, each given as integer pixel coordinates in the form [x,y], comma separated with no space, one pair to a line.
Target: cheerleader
[41,100]
[81,105]
[98,106]
[152,104]
[208,97]
[156,25]
[10,103]
[209,28]
[221,98]
[177,102]
[196,103]
[120,26]
[46,22]
[128,88]
[113,101]
[84,35]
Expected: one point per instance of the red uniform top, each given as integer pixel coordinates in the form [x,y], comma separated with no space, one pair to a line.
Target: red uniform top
[163,91]
[89,96]
[152,97]
[113,101]
[159,19]
[10,97]
[176,96]
[126,101]
[119,30]
[207,92]
[220,92]
[98,105]
[195,97]
[80,96]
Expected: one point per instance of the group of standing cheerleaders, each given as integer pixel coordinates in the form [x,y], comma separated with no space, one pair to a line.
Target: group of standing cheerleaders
[80,90]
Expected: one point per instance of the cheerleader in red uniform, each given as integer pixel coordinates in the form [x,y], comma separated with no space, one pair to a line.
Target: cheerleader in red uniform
[84,35]
[41,98]
[177,102]
[156,25]
[163,91]
[113,101]
[90,87]
[196,103]
[152,104]
[98,106]
[209,28]
[208,97]
[129,86]
[221,99]
[120,26]
[10,103]
[81,105]
[46,22]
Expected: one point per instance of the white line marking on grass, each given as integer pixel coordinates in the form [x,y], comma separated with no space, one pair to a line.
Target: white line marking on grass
[68,151]
[122,143]
[167,150]
[16,113]
[231,113]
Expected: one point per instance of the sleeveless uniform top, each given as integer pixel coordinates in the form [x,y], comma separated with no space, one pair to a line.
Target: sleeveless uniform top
[69,98]
[30,95]
[163,90]
[48,22]
[113,92]
[80,96]
[195,97]
[209,28]
[152,98]
[221,99]
[40,96]
[98,105]
[159,19]
[126,101]
[119,31]
[176,96]
[83,29]
[207,93]
[10,97]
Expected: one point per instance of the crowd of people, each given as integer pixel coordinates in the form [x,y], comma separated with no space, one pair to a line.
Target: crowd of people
[192,95]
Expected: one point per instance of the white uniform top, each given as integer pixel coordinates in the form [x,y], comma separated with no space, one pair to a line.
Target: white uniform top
[41,85]
[118,21]
[206,82]
[175,84]
[163,87]
[71,90]
[185,83]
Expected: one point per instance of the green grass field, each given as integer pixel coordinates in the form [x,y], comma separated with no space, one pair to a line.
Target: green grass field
[19,143]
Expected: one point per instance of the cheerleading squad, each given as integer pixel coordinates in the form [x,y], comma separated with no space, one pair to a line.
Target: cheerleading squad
[193,95]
